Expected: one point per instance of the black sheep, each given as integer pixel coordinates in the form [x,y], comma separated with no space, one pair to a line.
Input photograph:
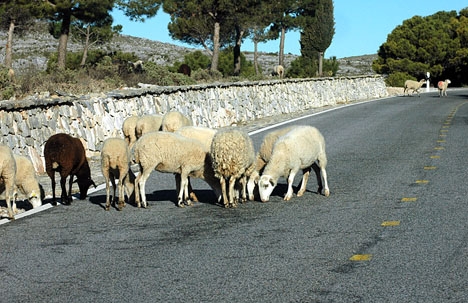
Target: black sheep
[66,155]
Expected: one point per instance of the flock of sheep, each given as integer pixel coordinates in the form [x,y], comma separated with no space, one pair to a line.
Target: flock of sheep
[225,158]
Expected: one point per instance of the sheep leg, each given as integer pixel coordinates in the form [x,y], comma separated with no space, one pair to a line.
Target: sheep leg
[63,181]
[305,178]
[243,182]
[106,177]
[289,193]
[193,196]
[183,190]
[232,194]
[9,185]
[121,200]
[222,183]
[52,178]
[141,180]
[323,172]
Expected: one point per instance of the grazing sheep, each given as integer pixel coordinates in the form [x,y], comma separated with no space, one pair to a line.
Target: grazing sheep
[172,153]
[233,157]
[129,130]
[204,135]
[413,85]
[27,181]
[264,155]
[174,120]
[115,164]
[148,123]
[297,149]
[278,71]
[66,155]
[7,177]
[201,133]
[442,86]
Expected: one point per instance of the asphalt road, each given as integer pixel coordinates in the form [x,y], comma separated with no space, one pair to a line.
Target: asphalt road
[394,228]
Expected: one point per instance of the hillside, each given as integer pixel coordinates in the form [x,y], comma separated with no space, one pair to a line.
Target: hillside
[33,49]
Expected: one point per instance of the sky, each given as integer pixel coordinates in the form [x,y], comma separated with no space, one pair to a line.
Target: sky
[361,26]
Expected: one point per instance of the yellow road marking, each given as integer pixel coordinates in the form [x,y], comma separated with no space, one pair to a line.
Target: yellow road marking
[435,157]
[440,141]
[422,181]
[439,148]
[409,199]
[365,257]
[429,167]
[444,130]
[390,223]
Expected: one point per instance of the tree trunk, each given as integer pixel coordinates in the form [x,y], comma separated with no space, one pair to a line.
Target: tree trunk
[256,57]
[320,64]
[86,46]
[281,48]
[215,57]
[8,48]
[237,51]
[63,40]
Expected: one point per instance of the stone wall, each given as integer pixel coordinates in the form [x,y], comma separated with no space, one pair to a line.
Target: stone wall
[27,124]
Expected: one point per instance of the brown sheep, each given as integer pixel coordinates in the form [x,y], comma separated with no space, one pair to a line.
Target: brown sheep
[66,155]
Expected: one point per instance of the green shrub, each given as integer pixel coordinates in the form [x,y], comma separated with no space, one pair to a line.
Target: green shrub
[398,79]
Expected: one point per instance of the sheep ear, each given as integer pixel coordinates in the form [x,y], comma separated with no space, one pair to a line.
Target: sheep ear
[271,182]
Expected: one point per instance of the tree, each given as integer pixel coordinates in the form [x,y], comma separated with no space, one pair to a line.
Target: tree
[64,12]
[318,29]
[201,22]
[91,33]
[285,17]
[137,10]
[16,15]
[437,44]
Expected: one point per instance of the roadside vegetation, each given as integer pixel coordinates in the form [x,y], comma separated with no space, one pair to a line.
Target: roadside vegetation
[437,44]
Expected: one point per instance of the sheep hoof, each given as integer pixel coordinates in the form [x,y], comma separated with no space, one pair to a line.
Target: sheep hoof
[327,193]
[107,207]
[181,204]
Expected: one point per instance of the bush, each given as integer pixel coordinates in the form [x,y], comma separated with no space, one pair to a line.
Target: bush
[398,79]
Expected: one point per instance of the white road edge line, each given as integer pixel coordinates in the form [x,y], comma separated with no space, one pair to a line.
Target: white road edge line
[102,186]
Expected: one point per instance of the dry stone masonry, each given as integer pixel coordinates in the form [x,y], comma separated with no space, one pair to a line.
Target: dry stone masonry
[27,124]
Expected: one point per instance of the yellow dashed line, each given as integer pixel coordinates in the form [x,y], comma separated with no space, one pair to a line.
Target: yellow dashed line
[429,167]
[422,181]
[440,141]
[439,148]
[444,130]
[435,157]
[365,257]
[390,223]
[409,199]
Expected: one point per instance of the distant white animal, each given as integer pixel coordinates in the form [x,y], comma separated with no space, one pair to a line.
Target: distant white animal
[442,86]
[413,85]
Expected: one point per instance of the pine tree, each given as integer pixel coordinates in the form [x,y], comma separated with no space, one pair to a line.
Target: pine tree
[318,29]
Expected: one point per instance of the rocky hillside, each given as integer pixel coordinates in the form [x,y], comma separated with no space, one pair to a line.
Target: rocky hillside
[33,49]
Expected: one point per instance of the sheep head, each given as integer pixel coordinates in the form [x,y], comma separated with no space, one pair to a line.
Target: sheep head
[266,184]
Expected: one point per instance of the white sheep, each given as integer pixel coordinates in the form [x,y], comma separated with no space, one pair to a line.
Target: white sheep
[7,177]
[298,149]
[442,86]
[233,157]
[413,85]
[204,135]
[172,153]
[115,164]
[264,155]
[129,130]
[148,123]
[278,71]
[27,182]
[174,120]
[201,133]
